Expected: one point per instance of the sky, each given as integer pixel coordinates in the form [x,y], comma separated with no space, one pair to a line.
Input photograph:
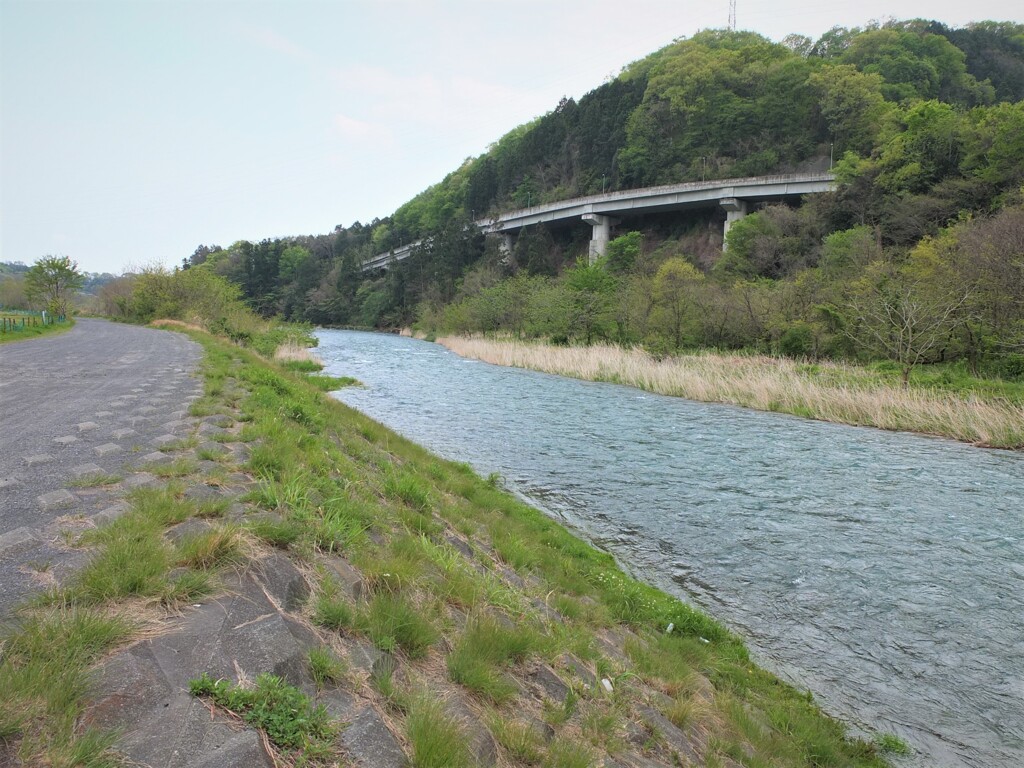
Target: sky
[133,131]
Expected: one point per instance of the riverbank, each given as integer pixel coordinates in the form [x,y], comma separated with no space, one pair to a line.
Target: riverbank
[438,619]
[825,391]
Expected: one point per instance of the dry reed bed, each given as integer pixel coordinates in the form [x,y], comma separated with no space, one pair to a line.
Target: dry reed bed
[293,352]
[833,392]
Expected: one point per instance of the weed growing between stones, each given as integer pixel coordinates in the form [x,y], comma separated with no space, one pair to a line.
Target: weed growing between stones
[179,467]
[212,549]
[392,621]
[96,480]
[523,743]
[290,720]
[325,666]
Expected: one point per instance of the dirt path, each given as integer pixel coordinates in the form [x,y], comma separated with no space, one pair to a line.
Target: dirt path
[88,402]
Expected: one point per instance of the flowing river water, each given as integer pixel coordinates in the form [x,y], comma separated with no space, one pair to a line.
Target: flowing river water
[882,571]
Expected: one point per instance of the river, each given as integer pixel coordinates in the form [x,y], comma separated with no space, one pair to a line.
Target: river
[882,571]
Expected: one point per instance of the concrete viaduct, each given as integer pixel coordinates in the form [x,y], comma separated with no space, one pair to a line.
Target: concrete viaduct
[606,210]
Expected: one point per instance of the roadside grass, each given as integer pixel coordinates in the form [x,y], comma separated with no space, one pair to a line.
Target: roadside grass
[32,331]
[131,557]
[179,467]
[942,400]
[96,480]
[217,548]
[44,670]
[44,676]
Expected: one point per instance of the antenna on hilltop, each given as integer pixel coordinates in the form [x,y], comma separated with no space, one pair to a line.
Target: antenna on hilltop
[732,15]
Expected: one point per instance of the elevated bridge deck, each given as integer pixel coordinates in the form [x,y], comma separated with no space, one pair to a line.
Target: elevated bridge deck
[605,210]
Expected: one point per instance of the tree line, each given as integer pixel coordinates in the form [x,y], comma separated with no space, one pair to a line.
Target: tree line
[923,124]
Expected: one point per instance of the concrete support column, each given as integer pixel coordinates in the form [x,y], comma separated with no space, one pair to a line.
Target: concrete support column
[601,233]
[505,243]
[735,209]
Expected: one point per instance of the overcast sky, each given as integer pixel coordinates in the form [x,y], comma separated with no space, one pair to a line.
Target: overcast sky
[131,132]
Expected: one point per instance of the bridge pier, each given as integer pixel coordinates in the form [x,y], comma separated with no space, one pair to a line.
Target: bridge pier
[601,234]
[735,209]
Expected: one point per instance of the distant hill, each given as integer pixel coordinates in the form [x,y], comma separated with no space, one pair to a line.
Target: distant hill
[924,124]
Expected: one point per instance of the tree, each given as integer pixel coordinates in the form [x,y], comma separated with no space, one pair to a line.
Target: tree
[905,313]
[12,292]
[53,280]
[851,104]
[622,252]
[674,285]
[591,293]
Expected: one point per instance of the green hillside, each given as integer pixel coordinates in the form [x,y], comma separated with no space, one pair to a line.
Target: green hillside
[924,125]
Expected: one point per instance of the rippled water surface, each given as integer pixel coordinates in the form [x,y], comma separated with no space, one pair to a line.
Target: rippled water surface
[883,571]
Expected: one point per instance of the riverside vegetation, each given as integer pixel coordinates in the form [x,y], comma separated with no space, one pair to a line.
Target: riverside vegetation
[989,413]
[913,262]
[500,636]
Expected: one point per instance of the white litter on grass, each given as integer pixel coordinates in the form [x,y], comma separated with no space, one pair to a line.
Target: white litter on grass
[607,684]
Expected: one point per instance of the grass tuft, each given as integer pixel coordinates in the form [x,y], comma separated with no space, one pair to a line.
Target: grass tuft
[333,613]
[522,742]
[436,739]
[211,549]
[565,753]
[485,647]
[392,621]
[325,667]
[179,467]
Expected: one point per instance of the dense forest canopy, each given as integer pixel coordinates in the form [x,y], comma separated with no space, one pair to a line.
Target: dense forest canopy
[923,123]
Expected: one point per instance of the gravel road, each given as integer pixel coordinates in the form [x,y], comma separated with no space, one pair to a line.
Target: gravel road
[91,401]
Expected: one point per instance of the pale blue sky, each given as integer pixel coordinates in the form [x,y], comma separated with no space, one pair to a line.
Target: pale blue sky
[131,132]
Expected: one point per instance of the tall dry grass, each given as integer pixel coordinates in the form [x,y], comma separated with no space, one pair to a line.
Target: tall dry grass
[293,352]
[825,391]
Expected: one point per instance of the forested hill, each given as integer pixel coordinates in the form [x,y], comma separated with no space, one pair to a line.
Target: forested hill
[925,124]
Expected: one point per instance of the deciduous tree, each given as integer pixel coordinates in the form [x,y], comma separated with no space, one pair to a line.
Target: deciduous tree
[53,281]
